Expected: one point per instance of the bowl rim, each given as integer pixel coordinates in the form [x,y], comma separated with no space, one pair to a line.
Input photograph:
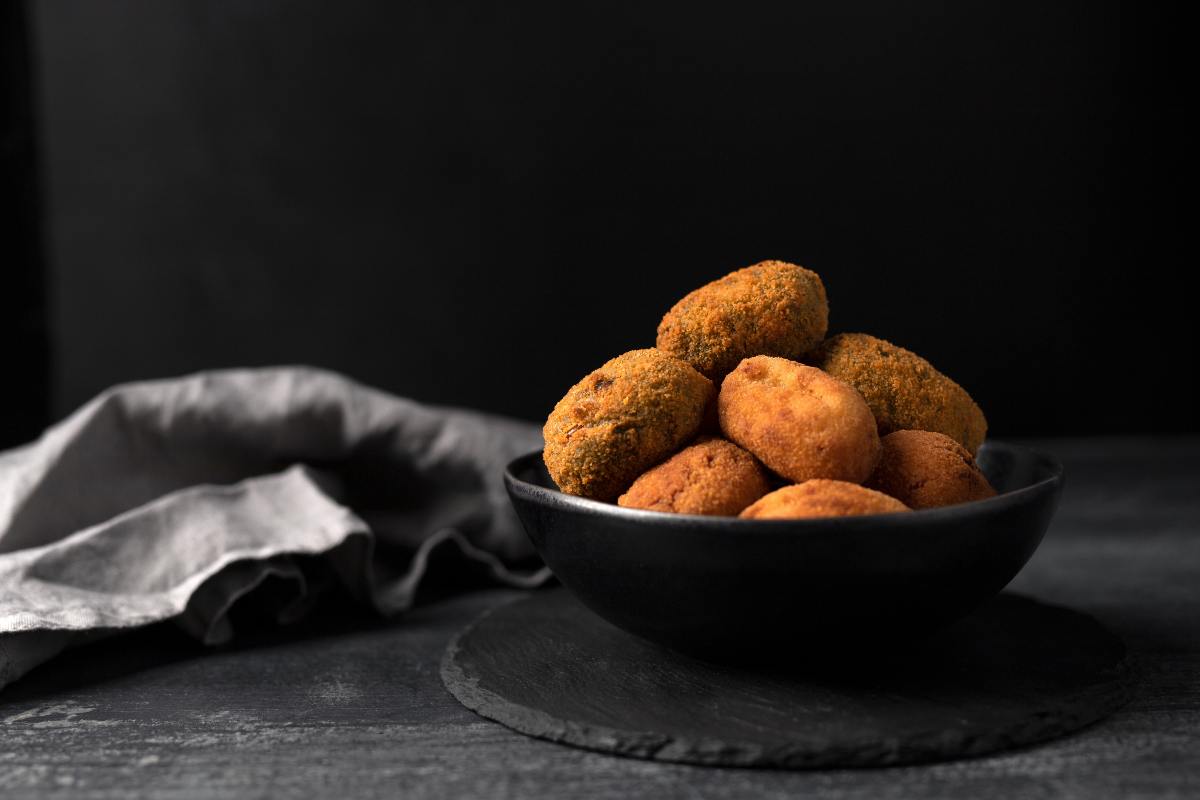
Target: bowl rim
[916,517]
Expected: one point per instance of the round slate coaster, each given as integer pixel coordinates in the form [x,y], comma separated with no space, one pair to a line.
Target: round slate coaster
[1015,672]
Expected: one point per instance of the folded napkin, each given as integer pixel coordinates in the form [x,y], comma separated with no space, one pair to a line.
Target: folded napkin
[170,500]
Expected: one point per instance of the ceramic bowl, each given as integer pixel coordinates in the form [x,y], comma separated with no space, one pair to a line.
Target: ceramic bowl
[725,587]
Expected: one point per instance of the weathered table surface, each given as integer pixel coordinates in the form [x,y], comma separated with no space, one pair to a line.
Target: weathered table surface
[361,711]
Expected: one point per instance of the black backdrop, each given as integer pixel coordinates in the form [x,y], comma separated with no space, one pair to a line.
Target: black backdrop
[477,203]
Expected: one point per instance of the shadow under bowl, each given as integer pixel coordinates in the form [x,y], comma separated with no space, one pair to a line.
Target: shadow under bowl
[733,589]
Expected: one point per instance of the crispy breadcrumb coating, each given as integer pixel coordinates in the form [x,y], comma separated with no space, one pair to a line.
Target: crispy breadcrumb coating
[712,477]
[771,308]
[621,420]
[924,469]
[903,390]
[799,421]
[822,498]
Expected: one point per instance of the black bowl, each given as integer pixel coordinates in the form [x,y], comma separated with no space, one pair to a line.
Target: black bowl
[726,587]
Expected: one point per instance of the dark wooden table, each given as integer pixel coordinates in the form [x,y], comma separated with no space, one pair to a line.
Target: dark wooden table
[360,711]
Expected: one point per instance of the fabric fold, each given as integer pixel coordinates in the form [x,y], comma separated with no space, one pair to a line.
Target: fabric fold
[172,500]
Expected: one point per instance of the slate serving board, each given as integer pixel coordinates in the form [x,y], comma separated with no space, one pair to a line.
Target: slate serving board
[1014,673]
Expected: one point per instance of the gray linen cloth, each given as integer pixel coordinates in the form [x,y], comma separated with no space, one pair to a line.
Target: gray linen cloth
[170,500]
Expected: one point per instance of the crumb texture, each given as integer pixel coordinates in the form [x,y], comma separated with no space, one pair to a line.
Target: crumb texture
[770,308]
[925,469]
[822,498]
[622,419]
[799,421]
[903,390]
[712,477]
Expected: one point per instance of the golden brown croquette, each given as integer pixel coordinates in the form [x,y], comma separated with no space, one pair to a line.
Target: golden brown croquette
[924,469]
[771,308]
[712,477]
[822,498]
[903,390]
[799,421]
[621,420]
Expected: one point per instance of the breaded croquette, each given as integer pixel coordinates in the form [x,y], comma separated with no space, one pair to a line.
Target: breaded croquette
[822,498]
[903,390]
[772,308]
[924,469]
[798,420]
[712,477]
[621,420]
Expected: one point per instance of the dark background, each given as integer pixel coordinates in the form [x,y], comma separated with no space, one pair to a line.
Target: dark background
[477,204]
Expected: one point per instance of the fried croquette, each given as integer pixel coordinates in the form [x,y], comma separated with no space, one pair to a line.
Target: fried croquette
[799,421]
[712,477]
[903,390]
[621,420]
[822,498]
[924,469]
[772,308]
